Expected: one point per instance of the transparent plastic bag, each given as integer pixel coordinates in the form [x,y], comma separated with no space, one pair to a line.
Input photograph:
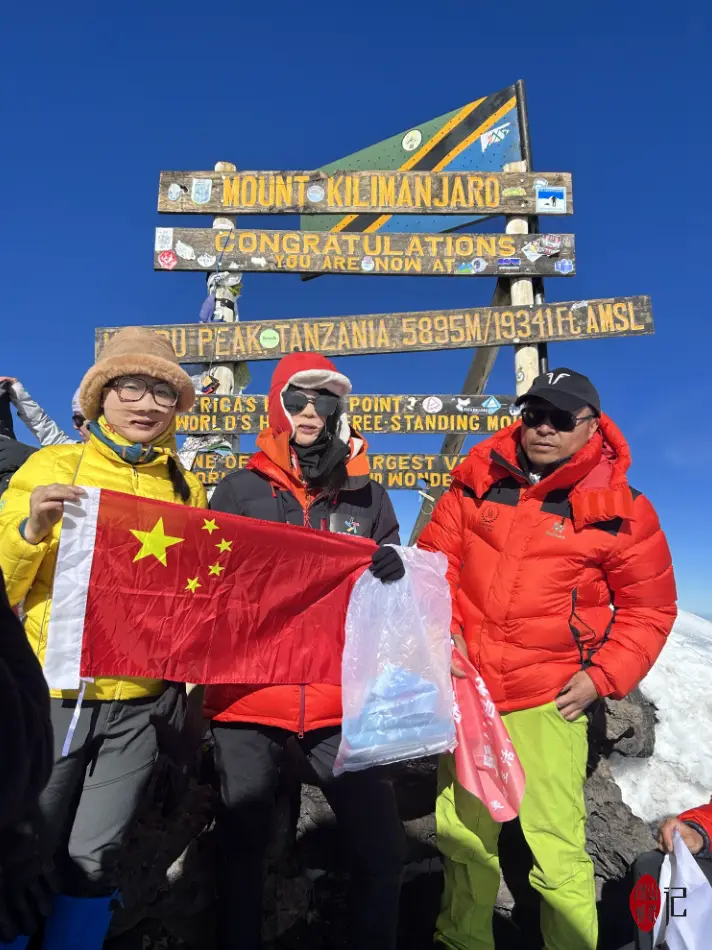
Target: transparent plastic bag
[397,689]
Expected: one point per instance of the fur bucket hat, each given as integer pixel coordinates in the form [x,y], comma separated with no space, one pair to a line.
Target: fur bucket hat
[135,351]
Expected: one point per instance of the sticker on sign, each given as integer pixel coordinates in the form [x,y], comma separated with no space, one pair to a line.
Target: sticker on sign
[551,200]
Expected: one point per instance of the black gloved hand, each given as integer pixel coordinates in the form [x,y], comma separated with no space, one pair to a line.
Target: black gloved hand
[176,747]
[387,565]
[27,879]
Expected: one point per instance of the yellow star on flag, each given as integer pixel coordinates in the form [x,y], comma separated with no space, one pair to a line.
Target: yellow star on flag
[154,542]
[224,546]
[210,526]
[192,584]
[216,569]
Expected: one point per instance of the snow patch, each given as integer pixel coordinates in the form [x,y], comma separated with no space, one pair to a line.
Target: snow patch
[678,775]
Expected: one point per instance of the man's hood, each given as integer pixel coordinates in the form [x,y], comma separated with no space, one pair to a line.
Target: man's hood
[595,475]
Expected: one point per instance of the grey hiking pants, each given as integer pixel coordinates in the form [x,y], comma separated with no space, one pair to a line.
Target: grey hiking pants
[94,791]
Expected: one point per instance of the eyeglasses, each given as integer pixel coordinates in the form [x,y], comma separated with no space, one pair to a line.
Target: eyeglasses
[296,401]
[132,389]
[560,419]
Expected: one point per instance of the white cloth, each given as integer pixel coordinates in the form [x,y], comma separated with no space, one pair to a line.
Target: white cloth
[694,930]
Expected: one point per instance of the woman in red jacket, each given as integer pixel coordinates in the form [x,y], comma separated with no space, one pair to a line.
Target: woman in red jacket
[311,471]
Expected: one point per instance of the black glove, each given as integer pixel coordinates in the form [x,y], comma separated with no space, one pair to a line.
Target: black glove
[27,880]
[386,565]
[176,748]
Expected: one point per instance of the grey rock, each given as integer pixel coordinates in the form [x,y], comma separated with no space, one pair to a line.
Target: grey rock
[168,883]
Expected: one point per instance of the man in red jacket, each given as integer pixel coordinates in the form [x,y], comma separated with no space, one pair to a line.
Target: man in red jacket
[312,471]
[695,827]
[563,592]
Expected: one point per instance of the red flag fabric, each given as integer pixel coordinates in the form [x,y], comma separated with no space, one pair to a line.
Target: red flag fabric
[487,765]
[149,589]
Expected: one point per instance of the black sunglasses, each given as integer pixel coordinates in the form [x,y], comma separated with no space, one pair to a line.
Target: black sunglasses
[296,401]
[78,421]
[560,419]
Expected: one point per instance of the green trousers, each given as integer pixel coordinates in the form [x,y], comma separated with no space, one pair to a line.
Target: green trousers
[553,753]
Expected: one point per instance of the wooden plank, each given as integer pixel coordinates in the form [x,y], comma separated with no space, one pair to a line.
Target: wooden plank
[390,470]
[312,252]
[365,192]
[405,332]
[389,414]
[475,382]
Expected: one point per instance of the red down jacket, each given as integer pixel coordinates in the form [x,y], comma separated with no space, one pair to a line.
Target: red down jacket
[535,569]
[701,816]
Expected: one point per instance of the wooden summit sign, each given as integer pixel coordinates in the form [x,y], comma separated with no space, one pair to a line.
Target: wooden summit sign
[405,332]
[313,252]
[391,471]
[389,414]
[365,192]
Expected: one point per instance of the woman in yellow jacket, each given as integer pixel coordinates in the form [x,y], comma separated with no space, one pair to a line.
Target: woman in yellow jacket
[105,739]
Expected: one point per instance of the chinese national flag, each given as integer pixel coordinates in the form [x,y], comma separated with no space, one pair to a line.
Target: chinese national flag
[148,589]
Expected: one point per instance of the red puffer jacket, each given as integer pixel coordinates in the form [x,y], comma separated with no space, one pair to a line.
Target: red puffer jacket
[535,569]
[701,816]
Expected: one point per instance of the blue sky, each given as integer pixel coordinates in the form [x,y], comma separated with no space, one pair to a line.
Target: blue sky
[98,99]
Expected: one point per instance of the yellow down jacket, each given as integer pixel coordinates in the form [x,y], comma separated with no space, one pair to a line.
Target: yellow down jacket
[29,568]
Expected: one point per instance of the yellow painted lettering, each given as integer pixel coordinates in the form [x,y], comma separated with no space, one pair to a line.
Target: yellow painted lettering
[333,191]
[444,199]
[386,191]
[405,197]
[266,191]
[486,245]
[423,191]
[231,192]
[248,191]
[331,245]
[474,191]
[507,247]
[465,246]
[492,198]
[247,241]
[344,342]
[290,242]
[295,339]
[457,197]
[224,242]
[311,243]
[301,181]
[283,192]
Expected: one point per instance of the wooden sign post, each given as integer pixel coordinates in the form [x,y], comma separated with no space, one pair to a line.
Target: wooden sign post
[390,470]
[370,192]
[406,332]
[313,252]
[385,414]
[404,219]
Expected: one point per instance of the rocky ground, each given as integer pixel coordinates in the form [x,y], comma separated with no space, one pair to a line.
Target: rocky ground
[168,886]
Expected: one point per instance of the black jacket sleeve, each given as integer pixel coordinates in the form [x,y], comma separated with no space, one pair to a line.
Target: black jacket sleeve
[226,496]
[386,529]
[26,748]
[6,424]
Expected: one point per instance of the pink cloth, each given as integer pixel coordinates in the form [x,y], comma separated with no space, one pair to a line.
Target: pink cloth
[487,765]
